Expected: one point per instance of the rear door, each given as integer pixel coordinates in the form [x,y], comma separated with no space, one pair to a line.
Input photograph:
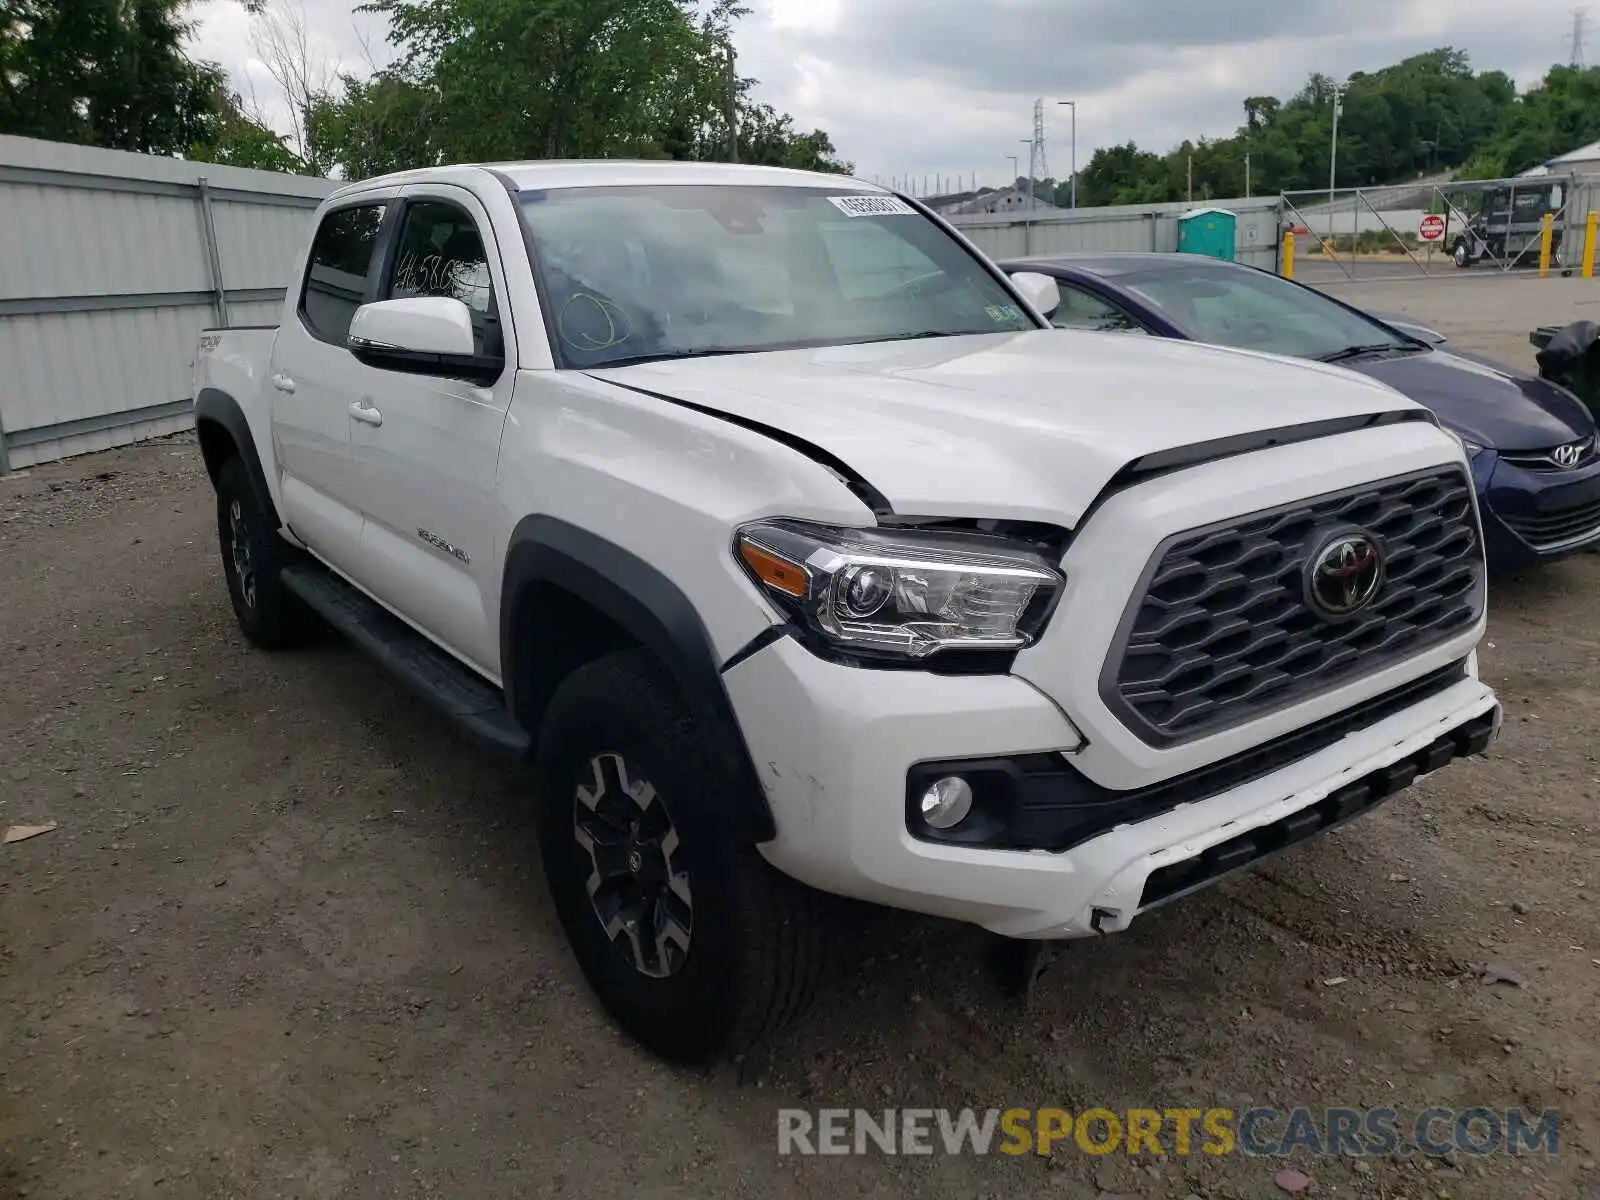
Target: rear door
[313,379]
[426,450]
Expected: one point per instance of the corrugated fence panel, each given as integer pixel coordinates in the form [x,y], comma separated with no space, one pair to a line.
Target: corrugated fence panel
[80,242]
[257,312]
[106,281]
[1128,227]
[260,242]
[72,367]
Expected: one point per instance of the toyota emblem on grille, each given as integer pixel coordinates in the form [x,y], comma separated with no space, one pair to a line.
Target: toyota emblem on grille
[1343,574]
[1570,454]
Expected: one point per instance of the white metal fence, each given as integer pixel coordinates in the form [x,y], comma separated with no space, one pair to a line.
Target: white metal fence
[1125,227]
[110,265]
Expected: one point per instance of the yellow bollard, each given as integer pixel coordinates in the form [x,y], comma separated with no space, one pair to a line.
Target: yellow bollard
[1546,229]
[1588,246]
[1288,249]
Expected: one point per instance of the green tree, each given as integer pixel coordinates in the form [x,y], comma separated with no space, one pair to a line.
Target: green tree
[237,140]
[1426,113]
[104,73]
[486,80]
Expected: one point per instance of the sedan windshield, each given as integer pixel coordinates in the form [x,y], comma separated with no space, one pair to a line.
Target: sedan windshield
[1252,310]
[630,274]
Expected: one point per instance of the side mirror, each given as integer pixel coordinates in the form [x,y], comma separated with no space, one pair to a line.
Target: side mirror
[1039,290]
[421,335]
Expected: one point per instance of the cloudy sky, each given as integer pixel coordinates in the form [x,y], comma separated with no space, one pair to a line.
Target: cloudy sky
[931,87]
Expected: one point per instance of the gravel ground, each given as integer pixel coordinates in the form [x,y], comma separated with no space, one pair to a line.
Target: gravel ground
[289,937]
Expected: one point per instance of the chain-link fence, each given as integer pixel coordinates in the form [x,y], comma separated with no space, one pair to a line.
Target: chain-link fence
[1440,227]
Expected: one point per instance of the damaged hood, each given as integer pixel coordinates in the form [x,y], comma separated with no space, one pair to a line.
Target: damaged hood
[1028,426]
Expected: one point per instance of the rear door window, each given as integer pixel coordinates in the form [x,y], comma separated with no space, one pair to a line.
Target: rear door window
[340,270]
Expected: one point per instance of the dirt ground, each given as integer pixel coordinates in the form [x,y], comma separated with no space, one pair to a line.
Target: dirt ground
[289,938]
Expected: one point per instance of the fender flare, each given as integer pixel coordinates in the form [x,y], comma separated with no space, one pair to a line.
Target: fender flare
[219,408]
[649,607]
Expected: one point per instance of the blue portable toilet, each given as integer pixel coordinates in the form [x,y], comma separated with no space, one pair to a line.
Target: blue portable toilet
[1208,231]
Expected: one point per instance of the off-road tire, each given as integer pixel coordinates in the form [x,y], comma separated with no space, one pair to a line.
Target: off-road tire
[756,950]
[269,614]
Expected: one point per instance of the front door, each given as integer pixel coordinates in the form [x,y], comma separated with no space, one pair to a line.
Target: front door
[425,450]
[312,379]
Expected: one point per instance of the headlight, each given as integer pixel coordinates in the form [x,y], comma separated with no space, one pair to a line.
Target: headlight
[902,593]
[1472,448]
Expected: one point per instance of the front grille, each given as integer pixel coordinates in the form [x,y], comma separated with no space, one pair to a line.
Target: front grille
[1547,531]
[1220,632]
[1545,460]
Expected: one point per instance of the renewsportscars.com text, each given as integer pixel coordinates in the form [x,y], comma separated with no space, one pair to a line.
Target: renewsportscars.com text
[1261,1132]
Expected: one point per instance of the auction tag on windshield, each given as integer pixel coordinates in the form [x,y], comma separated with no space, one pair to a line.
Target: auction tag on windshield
[872,206]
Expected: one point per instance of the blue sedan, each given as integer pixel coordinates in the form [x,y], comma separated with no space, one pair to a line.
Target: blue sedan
[1533,445]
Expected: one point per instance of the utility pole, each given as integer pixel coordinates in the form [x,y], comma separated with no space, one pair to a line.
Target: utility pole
[1189,186]
[1580,20]
[1247,177]
[733,106]
[1333,153]
[1073,105]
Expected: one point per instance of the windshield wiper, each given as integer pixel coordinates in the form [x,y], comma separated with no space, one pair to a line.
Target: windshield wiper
[1376,348]
[634,360]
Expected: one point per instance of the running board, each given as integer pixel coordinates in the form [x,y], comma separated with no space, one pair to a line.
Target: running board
[437,678]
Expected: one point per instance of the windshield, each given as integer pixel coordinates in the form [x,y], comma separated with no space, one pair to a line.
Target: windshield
[668,271]
[1252,310]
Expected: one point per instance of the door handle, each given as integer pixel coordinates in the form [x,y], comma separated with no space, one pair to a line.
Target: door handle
[283,383]
[365,413]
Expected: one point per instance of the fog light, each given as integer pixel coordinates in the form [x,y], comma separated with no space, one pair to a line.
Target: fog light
[947,803]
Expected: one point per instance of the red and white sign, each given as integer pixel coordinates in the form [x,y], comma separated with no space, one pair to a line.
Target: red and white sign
[1432,227]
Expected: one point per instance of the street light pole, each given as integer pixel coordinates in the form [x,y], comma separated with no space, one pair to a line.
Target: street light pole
[1073,105]
[1028,142]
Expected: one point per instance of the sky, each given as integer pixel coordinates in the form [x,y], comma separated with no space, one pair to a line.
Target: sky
[945,89]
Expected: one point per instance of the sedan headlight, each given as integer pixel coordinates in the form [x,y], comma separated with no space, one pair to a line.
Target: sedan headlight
[1472,448]
[902,593]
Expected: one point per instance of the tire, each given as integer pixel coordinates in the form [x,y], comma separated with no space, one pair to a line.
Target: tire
[1459,255]
[742,953]
[253,555]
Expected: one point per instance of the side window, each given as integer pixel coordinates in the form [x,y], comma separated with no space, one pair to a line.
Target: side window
[341,264]
[441,254]
[1081,310]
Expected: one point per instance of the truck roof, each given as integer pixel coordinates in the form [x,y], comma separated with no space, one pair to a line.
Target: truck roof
[560,173]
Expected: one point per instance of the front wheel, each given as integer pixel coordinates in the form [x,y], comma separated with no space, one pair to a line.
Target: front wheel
[691,941]
[1460,255]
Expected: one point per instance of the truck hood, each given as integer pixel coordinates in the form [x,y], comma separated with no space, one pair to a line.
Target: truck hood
[1026,426]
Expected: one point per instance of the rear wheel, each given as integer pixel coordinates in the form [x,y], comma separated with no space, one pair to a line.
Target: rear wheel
[691,941]
[253,555]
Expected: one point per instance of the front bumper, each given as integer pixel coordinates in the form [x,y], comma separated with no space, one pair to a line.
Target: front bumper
[1531,517]
[835,744]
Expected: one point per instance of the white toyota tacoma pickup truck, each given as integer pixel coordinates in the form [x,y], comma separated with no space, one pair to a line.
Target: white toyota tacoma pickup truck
[774,527]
